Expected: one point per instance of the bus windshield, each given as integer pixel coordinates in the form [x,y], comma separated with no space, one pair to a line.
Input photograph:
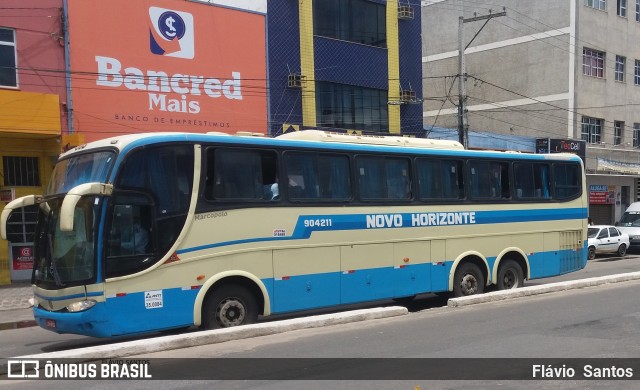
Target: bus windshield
[80,169]
[62,258]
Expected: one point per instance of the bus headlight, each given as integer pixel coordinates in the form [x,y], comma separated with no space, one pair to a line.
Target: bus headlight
[81,306]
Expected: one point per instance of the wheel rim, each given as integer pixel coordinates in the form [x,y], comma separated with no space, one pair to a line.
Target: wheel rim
[231,312]
[510,280]
[469,284]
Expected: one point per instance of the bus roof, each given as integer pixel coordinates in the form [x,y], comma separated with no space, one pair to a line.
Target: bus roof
[325,136]
[310,138]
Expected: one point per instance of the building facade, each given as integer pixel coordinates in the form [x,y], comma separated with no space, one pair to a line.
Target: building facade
[563,69]
[345,65]
[33,116]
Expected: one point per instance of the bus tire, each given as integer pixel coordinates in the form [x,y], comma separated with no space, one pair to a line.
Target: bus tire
[510,275]
[468,280]
[228,306]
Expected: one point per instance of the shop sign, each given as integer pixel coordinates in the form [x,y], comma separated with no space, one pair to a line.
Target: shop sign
[602,194]
[22,257]
[617,166]
[145,66]
[555,145]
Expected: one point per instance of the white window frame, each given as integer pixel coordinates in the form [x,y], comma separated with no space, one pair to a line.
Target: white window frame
[596,4]
[15,56]
[620,65]
[621,8]
[618,132]
[591,129]
[593,62]
[636,73]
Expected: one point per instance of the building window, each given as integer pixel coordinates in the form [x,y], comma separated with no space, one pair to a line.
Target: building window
[21,171]
[591,129]
[618,131]
[636,135]
[622,8]
[637,10]
[358,21]
[8,75]
[636,73]
[620,62]
[351,107]
[593,62]
[597,4]
[21,224]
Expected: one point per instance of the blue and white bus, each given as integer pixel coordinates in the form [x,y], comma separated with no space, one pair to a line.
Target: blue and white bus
[150,232]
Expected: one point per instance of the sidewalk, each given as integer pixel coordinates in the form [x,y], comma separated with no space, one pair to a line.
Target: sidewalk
[15,296]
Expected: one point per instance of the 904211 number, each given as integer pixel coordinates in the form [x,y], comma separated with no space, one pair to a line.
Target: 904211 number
[320,222]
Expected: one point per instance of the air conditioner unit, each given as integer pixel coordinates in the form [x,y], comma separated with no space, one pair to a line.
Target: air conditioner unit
[405,12]
[407,95]
[294,80]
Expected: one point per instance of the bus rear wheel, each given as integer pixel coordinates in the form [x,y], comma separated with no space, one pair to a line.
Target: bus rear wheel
[510,275]
[468,280]
[229,306]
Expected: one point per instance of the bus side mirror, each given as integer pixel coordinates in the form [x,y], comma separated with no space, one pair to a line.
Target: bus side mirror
[73,197]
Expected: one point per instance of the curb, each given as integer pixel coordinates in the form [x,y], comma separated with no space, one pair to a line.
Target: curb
[542,289]
[164,343]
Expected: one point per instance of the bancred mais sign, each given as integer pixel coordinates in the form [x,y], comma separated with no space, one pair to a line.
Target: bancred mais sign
[142,66]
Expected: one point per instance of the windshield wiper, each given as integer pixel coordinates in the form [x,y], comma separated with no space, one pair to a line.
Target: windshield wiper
[52,261]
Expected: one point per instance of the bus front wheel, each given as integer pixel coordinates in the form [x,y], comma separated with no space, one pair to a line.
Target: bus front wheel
[229,306]
[468,280]
[510,276]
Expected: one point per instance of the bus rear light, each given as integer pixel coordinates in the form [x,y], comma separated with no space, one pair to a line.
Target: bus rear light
[200,277]
[119,295]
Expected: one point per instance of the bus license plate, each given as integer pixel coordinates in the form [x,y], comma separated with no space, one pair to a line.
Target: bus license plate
[50,324]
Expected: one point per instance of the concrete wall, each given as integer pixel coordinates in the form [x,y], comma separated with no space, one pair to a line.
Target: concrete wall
[523,54]
[606,98]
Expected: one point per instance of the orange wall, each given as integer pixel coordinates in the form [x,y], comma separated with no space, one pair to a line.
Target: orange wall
[215,75]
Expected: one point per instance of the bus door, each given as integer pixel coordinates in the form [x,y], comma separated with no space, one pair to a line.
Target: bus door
[147,213]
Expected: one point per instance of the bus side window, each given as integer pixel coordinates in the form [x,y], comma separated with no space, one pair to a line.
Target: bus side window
[383,178]
[315,176]
[235,174]
[566,180]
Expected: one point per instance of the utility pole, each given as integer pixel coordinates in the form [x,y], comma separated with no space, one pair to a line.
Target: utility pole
[463,125]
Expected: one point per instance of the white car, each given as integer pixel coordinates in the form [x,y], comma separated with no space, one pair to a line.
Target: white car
[607,239]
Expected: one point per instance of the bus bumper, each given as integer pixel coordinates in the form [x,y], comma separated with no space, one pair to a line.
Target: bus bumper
[91,322]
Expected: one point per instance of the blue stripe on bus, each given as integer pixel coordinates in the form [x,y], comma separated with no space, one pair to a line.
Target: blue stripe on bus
[307,224]
[127,314]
